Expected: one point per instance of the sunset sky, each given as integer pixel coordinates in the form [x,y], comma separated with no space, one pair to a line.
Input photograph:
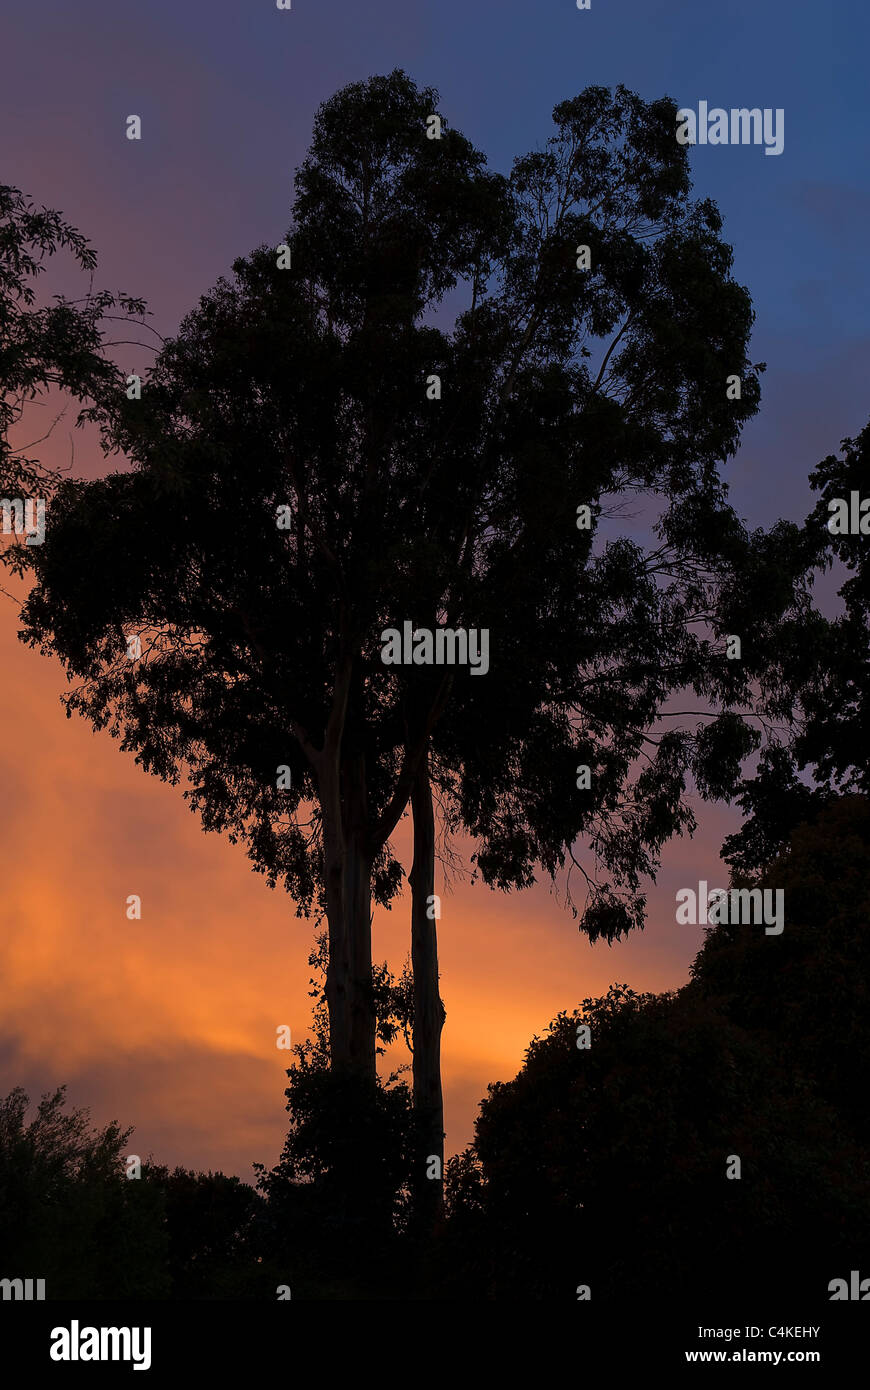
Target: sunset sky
[169,1023]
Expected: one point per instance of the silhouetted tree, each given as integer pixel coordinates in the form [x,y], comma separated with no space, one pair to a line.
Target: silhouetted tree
[609,383]
[569,381]
[60,344]
[806,990]
[317,1237]
[607,1166]
[210,1222]
[68,1213]
[822,666]
[302,388]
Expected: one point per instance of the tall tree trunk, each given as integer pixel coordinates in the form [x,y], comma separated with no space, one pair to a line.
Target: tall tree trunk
[358,912]
[347,874]
[428,1009]
[350,1001]
[338,973]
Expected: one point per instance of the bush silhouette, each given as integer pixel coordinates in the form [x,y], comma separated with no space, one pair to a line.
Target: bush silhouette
[607,1167]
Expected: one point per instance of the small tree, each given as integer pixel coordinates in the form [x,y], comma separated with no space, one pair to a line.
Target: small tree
[68,1212]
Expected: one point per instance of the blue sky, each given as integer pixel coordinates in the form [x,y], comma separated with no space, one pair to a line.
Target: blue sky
[227,93]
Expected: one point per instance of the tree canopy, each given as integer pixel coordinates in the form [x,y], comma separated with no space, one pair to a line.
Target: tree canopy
[315,462]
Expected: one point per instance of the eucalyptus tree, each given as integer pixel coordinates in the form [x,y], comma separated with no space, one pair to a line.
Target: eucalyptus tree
[252,551]
[613,345]
[321,475]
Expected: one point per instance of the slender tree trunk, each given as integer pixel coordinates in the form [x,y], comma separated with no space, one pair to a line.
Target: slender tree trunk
[339,990]
[428,1009]
[350,1001]
[358,912]
[347,872]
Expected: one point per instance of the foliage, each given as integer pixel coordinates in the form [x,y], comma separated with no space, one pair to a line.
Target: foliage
[59,344]
[607,1166]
